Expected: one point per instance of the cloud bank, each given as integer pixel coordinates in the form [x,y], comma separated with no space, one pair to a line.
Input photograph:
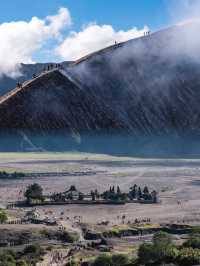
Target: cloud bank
[92,38]
[183,11]
[19,40]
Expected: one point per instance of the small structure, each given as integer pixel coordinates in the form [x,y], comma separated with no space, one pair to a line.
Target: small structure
[71,194]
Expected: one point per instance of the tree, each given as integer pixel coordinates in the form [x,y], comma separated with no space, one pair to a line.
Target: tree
[139,193]
[160,251]
[164,249]
[133,192]
[146,190]
[92,195]
[146,253]
[118,190]
[96,194]
[72,188]
[35,192]
[80,196]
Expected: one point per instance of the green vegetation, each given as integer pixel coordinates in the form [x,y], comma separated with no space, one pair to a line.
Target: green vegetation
[69,237]
[6,175]
[103,260]
[193,242]
[73,263]
[196,229]
[113,194]
[111,260]
[34,192]
[120,259]
[3,216]
[161,251]
[29,257]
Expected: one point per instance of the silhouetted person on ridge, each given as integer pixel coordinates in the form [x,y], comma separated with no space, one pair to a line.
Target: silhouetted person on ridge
[19,85]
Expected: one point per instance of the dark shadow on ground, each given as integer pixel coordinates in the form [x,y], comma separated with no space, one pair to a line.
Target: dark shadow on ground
[170,146]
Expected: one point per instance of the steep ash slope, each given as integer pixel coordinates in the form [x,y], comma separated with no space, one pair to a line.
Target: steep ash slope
[52,101]
[152,83]
[148,86]
[27,71]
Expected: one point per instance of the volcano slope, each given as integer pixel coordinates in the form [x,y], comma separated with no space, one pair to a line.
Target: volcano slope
[152,83]
[147,87]
[26,71]
[52,101]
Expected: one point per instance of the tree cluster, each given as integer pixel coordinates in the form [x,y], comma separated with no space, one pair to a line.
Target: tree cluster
[34,192]
[28,257]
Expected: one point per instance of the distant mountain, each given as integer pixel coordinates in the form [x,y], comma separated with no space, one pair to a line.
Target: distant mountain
[146,87]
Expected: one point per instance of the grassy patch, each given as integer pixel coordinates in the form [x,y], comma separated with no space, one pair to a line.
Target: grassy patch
[196,229]
[146,225]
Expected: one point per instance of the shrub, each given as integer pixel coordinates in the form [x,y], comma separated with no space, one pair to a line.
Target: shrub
[33,250]
[22,263]
[146,253]
[119,259]
[103,260]
[189,256]
[3,216]
[7,260]
[162,238]
[193,242]
[73,263]
[69,237]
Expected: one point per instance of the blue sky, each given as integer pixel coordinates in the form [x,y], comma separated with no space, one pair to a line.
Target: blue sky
[122,14]
[76,27]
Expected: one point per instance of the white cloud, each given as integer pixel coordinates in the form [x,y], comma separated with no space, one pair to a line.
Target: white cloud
[182,11]
[19,40]
[92,38]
